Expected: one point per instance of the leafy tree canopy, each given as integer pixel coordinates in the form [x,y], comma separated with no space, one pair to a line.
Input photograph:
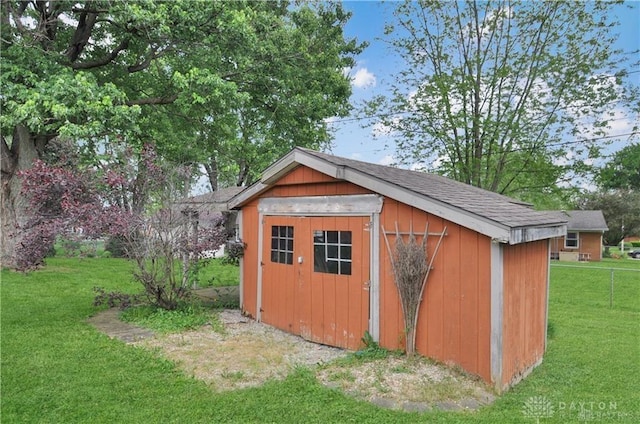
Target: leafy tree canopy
[227,84]
[620,209]
[623,171]
[511,96]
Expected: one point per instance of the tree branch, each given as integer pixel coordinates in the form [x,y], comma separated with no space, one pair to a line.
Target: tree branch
[145,63]
[81,35]
[104,60]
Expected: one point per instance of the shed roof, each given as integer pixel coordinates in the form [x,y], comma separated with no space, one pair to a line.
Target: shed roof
[586,221]
[497,216]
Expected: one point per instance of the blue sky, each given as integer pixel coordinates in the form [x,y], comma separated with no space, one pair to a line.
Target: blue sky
[376,65]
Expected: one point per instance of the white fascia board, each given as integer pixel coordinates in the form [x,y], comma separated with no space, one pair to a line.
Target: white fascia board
[320,165]
[526,234]
[355,205]
[294,159]
[279,168]
[497,232]
[247,194]
[483,226]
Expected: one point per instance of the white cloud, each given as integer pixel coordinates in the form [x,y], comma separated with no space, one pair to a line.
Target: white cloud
[356,156]
[418,166]
[563,161]
[363,79]
[387,160]
[330,120]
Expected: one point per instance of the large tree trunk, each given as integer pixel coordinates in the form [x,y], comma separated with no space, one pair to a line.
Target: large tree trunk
[17,155]
[212,173]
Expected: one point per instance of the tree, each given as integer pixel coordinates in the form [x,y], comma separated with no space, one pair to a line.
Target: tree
[620,209]
[506,95]
[143,72]
[88,203]
[623,171]
[281,103]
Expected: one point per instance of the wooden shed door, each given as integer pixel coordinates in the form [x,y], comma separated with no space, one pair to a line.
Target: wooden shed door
[316,278]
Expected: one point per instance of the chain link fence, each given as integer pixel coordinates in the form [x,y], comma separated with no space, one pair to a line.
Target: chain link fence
[599,286]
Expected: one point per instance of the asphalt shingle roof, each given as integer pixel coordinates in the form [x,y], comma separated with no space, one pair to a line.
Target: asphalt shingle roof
[493,206]
[586,221]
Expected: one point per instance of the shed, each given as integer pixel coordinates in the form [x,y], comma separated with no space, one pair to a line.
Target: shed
[583,239]
[315,262]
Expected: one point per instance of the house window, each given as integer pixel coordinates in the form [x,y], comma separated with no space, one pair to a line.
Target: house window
[282,244]
[332,252]
[571,240]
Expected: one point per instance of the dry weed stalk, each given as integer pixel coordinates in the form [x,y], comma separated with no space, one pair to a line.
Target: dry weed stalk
[411,265]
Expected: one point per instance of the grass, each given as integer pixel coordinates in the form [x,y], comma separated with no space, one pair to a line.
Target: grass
[57,368]
[215,273]
[187,317]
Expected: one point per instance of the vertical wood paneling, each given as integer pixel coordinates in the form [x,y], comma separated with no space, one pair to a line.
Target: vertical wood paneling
[328,284]
[250,260]
[391,325]
[434,296]
[454,320]
[304,304]
[452,266]
[525,297]
[455,313]
[484,308]
[469,332]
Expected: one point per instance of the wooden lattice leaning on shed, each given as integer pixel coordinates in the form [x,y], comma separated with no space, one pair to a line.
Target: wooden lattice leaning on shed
[411,265]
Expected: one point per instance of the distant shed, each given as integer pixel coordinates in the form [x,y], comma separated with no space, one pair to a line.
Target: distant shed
[316,264]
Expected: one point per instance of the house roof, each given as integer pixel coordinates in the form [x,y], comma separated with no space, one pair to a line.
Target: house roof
[499,217]
[586,221]
[216,201]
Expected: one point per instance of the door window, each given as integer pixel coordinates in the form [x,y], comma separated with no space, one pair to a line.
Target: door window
[282,244]
[332,252]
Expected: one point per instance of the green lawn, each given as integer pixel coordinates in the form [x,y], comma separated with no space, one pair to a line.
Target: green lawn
[56,368]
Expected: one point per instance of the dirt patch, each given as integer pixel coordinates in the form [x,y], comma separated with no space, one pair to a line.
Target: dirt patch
[412,384]
[248,353]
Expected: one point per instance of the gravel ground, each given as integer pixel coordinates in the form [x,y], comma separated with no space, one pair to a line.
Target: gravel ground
[248,353]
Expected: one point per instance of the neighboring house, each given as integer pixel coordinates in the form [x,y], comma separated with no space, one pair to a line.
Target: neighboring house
[209,208]
[583,240]
[316,264]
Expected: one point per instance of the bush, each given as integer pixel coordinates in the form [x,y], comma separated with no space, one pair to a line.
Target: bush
[234,250]
[114,299]
[635,243]
[116,246]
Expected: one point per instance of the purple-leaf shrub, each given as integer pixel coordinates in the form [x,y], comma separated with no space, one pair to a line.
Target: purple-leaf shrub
[110,201]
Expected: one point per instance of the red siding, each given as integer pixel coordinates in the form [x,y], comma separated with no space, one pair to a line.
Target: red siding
[250,258]
[455,315]
[454,322]
[525,304]
[588,242]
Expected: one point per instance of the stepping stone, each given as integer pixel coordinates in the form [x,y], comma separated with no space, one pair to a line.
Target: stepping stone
[416,407]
